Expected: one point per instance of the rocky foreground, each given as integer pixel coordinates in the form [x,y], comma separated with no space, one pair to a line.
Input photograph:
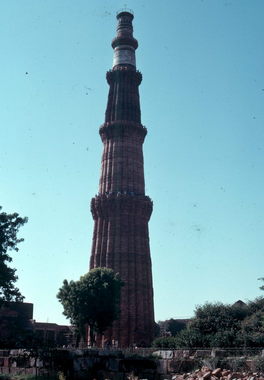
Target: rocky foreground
[219,374]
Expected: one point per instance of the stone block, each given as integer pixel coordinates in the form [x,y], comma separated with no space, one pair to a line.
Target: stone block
[217,372]
[162,367]
[214,378]
[202,354]
[178,354]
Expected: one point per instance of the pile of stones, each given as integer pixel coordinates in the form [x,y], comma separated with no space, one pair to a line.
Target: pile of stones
[219,374]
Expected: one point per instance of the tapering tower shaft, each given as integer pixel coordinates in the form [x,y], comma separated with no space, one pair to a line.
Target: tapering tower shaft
[121,210]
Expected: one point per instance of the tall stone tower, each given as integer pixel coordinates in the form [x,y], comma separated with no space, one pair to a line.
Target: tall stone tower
[121,210]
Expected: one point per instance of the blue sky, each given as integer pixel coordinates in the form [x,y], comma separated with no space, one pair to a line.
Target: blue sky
[202,101]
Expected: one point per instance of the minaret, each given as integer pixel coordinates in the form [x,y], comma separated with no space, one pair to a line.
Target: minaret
[121,210]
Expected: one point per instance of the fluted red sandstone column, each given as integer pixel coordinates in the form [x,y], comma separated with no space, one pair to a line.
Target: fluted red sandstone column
[121,210]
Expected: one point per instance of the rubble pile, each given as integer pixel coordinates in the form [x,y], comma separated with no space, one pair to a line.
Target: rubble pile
[206,373]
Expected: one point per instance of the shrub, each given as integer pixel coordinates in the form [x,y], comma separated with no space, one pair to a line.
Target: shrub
[260,364]
[164,342]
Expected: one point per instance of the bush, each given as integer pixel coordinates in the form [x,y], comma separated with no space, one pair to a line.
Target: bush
[225,339]
[260,364]
[164,342]
[237,364]
[219,325]
[191,338]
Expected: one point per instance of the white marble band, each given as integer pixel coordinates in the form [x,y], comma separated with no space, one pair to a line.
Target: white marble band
[124,55]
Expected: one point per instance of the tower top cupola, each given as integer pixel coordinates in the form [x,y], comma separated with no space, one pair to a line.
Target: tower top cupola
[124,44]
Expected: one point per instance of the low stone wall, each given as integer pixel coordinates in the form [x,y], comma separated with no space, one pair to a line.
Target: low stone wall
[78,364]
[121,365]
[198,353]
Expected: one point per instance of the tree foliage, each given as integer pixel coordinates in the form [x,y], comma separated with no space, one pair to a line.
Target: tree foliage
[170,327]
[9,228]
[221,325]
[253,329]
[174,326]
[261,279]
[256,305]
[214,317]
[165,342]
[93,300]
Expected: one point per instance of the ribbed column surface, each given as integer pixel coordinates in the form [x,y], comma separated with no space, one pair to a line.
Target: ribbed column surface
[121,210]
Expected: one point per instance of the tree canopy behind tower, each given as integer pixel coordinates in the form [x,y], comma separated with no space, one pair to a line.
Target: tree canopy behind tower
[9,228]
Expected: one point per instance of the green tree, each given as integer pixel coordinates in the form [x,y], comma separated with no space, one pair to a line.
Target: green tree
[219,324]
[164,342]
[256,305]
[214,317]
[9,227]
[253,326]
[185,338]
[261,279]
[93,300]
[174,326]
[171,327]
